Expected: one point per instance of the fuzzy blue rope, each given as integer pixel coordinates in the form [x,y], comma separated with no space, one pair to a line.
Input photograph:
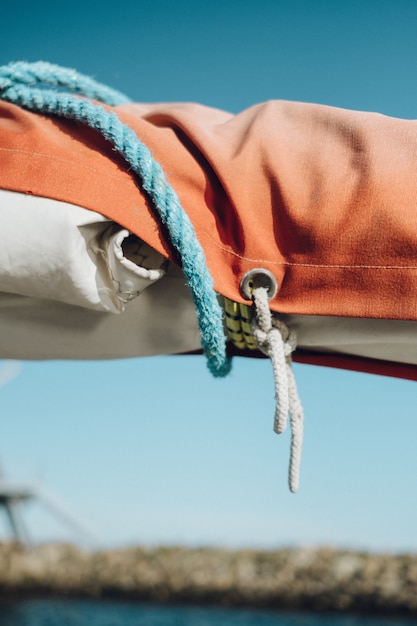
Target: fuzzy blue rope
[17,82]
[22,73]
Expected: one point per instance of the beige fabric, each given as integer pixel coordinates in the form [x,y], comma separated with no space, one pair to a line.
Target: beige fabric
[369,338]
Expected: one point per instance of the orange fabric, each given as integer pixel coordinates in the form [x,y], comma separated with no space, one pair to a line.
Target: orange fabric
[324,198]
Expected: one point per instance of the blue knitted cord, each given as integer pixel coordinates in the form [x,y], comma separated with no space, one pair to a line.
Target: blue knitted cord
[17,82]
[60,77]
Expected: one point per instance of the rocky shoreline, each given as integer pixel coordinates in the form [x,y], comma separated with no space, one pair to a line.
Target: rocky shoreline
[320,579]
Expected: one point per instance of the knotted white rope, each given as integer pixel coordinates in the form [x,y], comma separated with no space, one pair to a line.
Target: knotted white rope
[278,342]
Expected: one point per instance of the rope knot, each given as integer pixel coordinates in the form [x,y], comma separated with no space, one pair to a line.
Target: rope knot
[278,342]
[263,337]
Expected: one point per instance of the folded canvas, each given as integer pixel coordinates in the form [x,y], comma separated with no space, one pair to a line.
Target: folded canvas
[323,198]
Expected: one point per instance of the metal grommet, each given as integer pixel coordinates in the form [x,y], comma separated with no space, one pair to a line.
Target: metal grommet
[258,277]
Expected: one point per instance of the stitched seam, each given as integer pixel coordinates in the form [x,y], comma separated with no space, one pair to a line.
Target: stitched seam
[294,264]
[202,230]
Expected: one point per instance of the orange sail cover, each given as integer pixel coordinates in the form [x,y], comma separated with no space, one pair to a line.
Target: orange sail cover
[323,198]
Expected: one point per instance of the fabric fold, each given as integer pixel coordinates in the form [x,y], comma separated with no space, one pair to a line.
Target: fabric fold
[324,198]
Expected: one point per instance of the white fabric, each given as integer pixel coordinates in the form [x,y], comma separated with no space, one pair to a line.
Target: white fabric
[68,290]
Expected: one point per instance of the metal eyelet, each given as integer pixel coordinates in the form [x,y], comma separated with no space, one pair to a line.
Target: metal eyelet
[258,277]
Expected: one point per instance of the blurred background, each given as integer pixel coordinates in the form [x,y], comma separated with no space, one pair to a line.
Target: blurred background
[154,450]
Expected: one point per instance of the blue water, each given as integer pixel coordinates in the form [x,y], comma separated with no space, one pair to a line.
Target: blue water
[99,613]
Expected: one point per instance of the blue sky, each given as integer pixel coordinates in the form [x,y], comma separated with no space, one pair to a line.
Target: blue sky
[154,450]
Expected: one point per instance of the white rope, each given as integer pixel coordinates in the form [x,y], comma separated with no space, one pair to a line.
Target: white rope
[278,342]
